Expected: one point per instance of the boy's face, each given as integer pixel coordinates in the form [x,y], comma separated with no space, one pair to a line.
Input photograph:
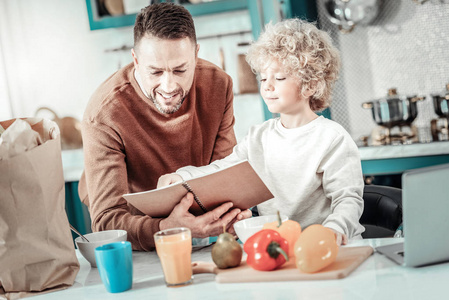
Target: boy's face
[167,69]
[281,91]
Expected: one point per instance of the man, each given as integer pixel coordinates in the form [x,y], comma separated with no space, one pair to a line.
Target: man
[166,110]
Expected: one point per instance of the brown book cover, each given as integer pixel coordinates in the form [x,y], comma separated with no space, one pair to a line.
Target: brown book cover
[238,183]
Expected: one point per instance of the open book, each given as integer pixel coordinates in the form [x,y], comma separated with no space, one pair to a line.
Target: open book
[238,183]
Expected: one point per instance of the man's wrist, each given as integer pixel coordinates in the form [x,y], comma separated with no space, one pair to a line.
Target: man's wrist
[162,224]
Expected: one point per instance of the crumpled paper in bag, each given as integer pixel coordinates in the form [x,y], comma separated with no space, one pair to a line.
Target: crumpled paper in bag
[22,136]
[54,255]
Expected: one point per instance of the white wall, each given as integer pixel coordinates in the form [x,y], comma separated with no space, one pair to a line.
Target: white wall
[51,57]
[5,105]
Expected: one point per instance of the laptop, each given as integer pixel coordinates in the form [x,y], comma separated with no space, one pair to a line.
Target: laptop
[425,203]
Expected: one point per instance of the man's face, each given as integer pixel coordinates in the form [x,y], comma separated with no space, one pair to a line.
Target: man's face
[166,68]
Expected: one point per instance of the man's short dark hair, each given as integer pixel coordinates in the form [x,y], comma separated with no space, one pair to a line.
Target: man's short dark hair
[165,21]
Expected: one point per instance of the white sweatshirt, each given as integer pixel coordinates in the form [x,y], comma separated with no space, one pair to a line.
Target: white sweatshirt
[314,172]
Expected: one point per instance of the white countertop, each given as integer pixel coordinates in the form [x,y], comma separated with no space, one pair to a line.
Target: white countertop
[376,278]
[73,160]
[400,151]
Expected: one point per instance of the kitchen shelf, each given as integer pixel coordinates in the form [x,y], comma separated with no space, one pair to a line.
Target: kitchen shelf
[96,22]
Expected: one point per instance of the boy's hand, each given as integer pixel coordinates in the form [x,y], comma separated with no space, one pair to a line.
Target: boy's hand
[340,238]
[168,179]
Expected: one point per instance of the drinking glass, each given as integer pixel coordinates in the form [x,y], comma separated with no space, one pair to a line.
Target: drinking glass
[174,248]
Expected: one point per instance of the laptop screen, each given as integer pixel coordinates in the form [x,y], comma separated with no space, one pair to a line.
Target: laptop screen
[425,201]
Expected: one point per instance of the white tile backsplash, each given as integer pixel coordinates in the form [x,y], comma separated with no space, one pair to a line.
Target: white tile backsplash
[405,47]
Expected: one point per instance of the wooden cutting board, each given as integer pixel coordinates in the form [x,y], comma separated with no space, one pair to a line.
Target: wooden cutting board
[348,259]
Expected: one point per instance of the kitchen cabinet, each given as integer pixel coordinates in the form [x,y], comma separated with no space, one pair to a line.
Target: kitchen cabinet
[395,159]
[77,213]
[103,22]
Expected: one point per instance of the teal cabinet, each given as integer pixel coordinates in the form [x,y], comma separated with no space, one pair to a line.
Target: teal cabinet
[399,165]
[396,159]
[103,22]
[77,212]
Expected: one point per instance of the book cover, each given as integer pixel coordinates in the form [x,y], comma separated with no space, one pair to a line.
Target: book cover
[238,183]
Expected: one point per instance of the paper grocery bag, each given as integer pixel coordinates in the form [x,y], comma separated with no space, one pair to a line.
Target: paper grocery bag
[36,246]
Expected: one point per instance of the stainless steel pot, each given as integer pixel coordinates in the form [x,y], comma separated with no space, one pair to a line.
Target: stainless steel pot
[348,13]
[441,103]
[394,110]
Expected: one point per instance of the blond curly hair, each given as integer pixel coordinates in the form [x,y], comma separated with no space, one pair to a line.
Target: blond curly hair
[304,51]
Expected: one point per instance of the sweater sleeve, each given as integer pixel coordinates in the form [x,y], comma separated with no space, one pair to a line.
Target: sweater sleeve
[226,140]
[343,185]
[106,181]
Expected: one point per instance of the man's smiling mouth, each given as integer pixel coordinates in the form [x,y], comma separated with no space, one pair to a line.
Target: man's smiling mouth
[167,96]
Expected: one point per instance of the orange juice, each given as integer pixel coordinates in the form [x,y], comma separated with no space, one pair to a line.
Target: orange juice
[174,248]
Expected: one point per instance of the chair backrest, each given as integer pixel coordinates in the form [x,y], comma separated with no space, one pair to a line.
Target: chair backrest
[382,214]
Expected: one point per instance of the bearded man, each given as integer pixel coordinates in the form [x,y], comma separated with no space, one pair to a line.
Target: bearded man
[165,110]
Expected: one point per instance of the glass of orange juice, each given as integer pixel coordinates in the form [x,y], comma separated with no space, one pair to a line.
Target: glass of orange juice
[174,248]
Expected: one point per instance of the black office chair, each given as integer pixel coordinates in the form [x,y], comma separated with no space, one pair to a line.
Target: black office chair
[382,214]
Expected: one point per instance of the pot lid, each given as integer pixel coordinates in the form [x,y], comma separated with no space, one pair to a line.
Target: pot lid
[444,93]
[392,94]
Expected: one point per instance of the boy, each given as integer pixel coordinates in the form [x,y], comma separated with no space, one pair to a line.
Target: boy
[310,164]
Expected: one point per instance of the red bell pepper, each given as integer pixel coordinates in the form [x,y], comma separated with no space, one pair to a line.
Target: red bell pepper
[289,230]
[266,250]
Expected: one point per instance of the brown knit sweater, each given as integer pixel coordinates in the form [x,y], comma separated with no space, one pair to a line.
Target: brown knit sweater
[129,144]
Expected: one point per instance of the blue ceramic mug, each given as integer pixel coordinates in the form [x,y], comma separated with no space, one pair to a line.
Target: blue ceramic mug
[115,264]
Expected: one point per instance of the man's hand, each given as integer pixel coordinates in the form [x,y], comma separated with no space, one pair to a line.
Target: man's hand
[208,224]
[168,179]
[340,238]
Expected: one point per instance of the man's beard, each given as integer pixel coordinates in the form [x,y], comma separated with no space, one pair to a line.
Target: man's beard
[171,109]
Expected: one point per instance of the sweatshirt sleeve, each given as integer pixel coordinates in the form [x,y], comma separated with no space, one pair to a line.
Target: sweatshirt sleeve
[106,182]
[343,184]
[239,154]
